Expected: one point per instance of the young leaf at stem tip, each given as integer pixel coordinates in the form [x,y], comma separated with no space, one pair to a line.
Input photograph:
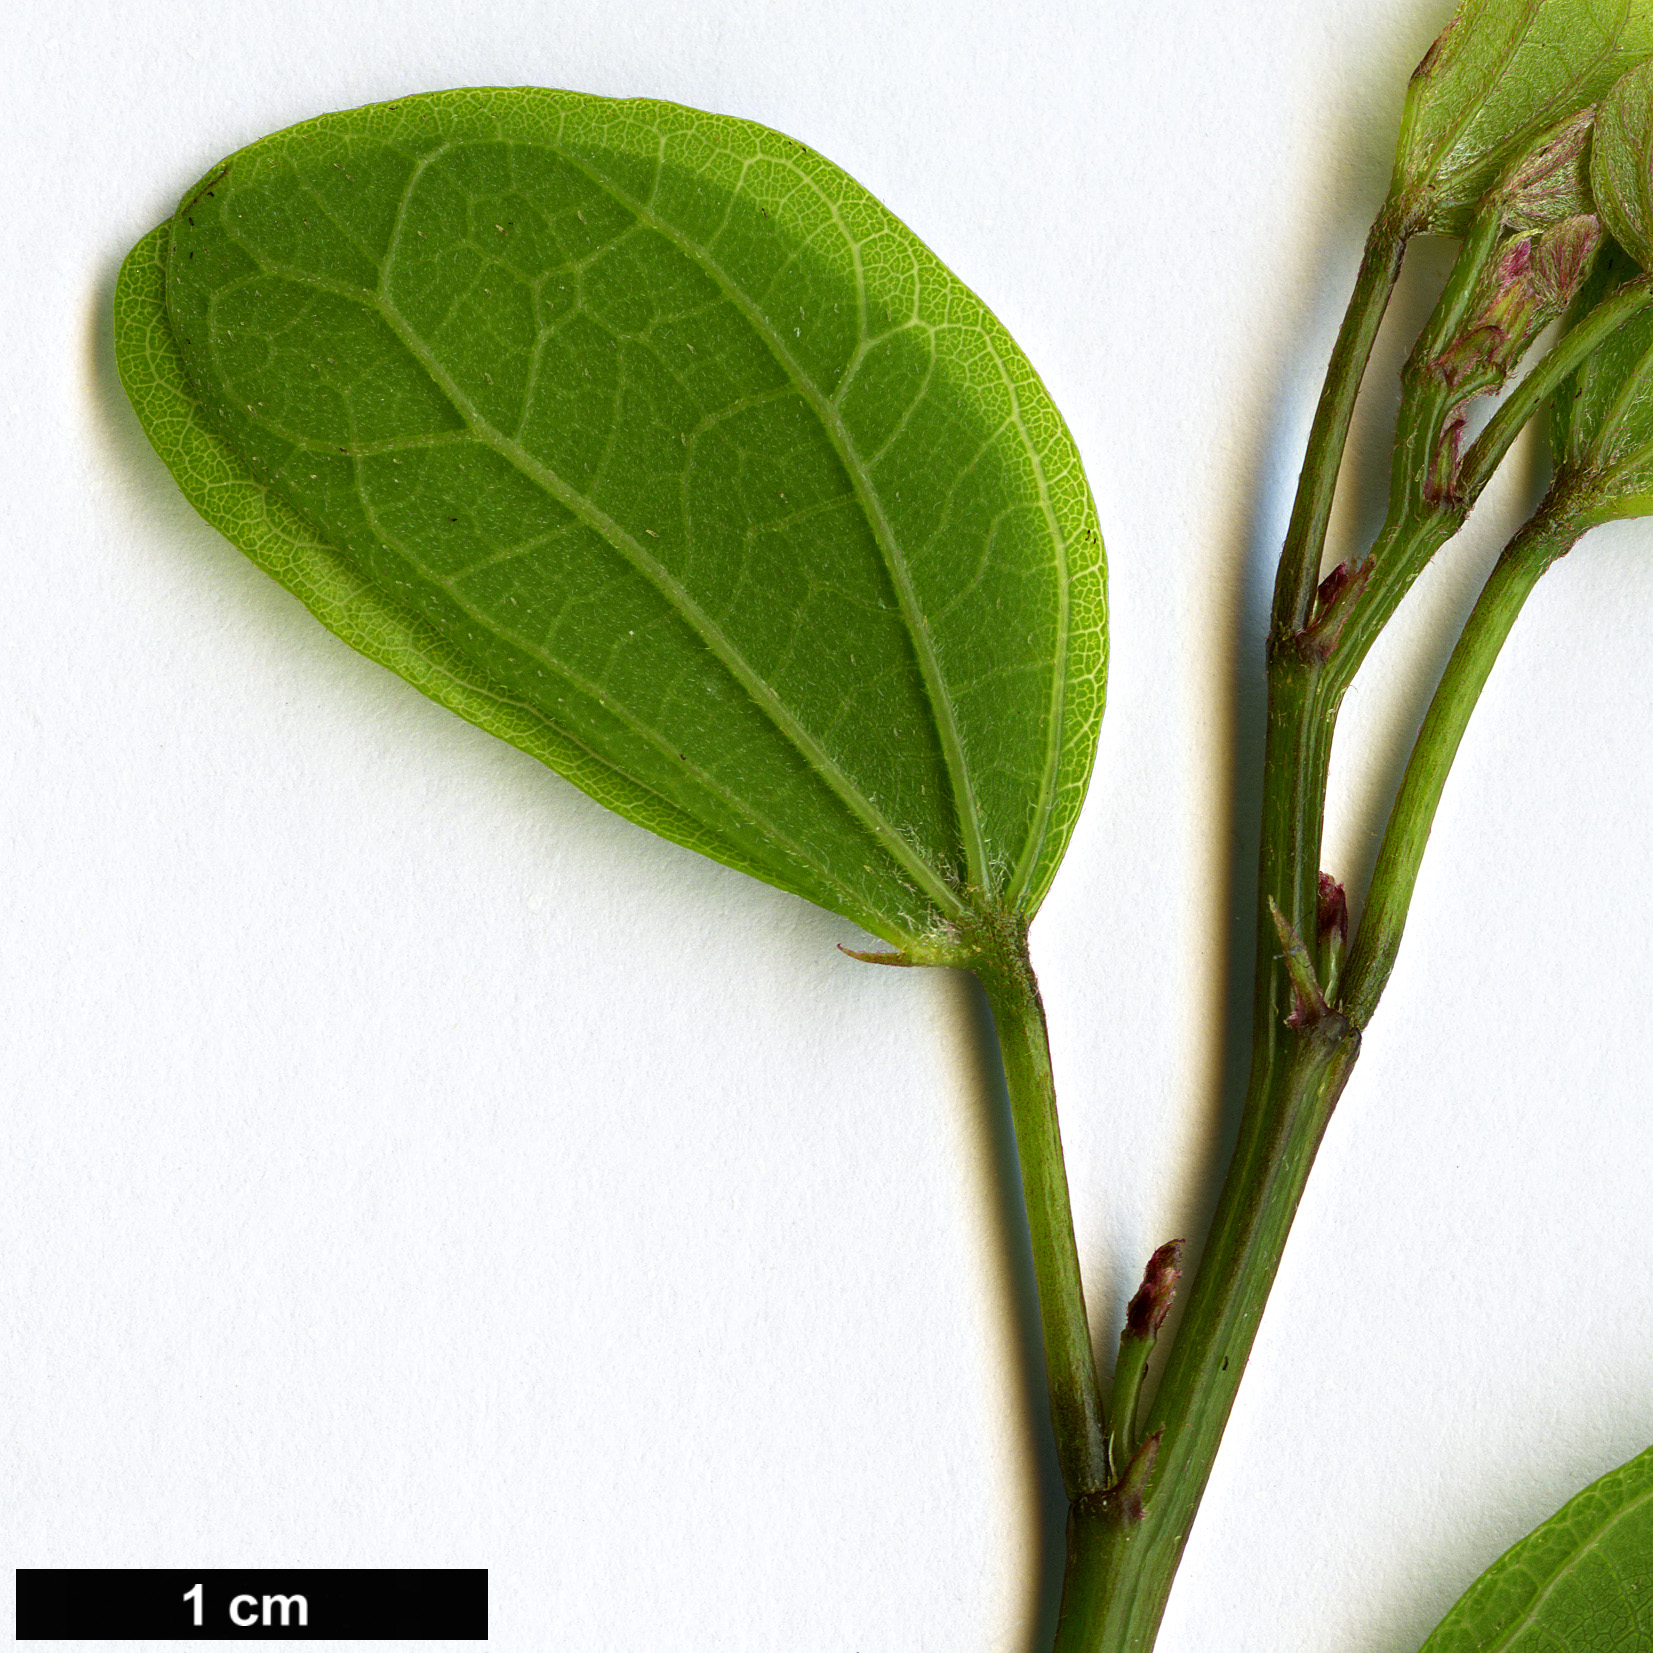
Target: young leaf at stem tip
[715,489]
[1552,180]
[1497,76]
[1602,422]
[1528,283]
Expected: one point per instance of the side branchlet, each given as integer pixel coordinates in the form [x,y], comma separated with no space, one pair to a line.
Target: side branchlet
[1143,1319]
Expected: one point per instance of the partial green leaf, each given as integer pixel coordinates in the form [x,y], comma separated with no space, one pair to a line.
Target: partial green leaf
[1499,74]
[1621,163]
[1611,270]
[651,442]
[1604,416]
[1582,1583]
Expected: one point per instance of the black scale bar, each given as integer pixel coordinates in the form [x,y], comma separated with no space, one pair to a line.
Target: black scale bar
[269,1604]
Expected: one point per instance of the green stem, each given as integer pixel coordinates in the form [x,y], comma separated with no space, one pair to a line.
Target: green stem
[1123,1552]
[1549,535]
[1306,535]
[1126,1536]
[1398,556]
[1420,520]
[1120,1564]
[1003,968]
[1129,1370]
[1419,526]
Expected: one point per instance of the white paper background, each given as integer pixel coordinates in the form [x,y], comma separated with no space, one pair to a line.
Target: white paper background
[409,1164]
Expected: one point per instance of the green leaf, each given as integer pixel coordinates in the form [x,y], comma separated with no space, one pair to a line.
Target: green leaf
[1501,72]
[1620,162]
[649,441]
[1582,1583]
[1571,417]
[1602,426]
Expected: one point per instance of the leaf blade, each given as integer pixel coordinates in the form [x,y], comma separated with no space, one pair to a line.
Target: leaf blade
[1583,1581]
[975,802]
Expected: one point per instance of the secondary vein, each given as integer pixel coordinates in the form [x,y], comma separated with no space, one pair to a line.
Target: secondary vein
[929,665]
